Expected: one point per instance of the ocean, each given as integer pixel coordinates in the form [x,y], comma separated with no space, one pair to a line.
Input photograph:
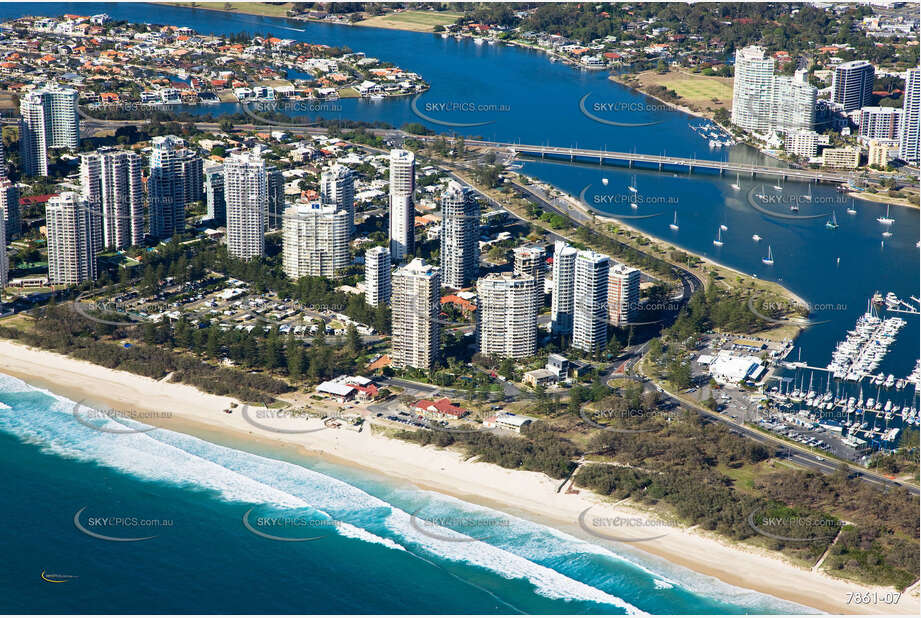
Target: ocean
[372,556]
[379,545]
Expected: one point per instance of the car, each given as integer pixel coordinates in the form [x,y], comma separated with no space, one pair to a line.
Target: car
[819,458]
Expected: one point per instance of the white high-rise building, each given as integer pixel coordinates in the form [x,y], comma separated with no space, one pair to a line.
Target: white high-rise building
[377,276]
[71,255]
[590,300]
[793,104]
[402,208]
[337,186]
[753,89]
[111,185]
[48,119]
[2,161]
[460,236]
[763,102]
[9,210]
[532,261]
[416,331]
[506,315]
[561,299]
[315,241]
[246,194]
[174,172]
[911,117]
[852,84]
[623,294]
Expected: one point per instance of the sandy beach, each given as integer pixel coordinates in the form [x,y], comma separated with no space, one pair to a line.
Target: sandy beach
[528,494]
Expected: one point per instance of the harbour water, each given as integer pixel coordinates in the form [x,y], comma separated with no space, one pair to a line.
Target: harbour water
[207,561]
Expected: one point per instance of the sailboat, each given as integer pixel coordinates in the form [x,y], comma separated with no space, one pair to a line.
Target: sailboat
[761,195]
[832,224]
[887,220]
[604,181]
[632,186]
[756,238]
[736,186]
[674,224]
[719,238]
[769,260]
[780,186]
[887,234]
[808,196]
[851,210]
[633,203]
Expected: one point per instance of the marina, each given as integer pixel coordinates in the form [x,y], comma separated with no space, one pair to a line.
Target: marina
[865,346]
[715,136]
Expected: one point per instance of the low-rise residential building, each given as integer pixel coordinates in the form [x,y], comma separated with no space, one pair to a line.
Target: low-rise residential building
[441,409]
[846,157]
[802,144]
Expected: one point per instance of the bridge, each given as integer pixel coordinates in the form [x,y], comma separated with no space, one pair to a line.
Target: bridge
[662,162]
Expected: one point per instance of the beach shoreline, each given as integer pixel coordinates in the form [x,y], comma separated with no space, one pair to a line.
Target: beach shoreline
[527,494]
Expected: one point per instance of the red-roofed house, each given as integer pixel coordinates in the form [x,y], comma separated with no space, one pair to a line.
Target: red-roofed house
[364,392]
[441,409]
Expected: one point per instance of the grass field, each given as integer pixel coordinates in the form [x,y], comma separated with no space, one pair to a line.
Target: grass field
[250,8]
[418,21]
[695,90]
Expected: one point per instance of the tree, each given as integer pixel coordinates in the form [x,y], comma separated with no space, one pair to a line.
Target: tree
[352,340]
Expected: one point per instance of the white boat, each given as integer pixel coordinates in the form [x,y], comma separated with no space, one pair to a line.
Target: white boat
[674,224]
[761,195]
[632,186]
[478,41]
[851,210]
[887,220]
[756,238]
[724,228]
[769,260]
[719,238]
[736,186]
[604,181]
[808,196]
[887,234]
[779,187]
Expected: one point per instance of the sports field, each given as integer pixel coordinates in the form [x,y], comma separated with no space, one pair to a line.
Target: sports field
[249,8]
[695,90]
[418,21]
